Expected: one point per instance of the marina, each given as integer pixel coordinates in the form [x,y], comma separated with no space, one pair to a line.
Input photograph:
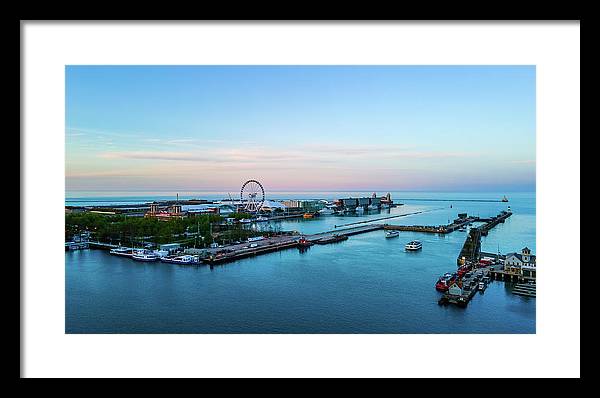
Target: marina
[300,234]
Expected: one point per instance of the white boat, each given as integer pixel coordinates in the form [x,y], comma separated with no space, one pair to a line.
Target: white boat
[245,220]
[121,251]
[372,208]
[392,234]
[385,206]
[360,209]
[413,245]
[261,218]
[462,229]
[144,255]
[482,286]
[185,259]
[326,211]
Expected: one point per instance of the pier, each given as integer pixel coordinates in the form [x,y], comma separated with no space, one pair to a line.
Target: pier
[468,287]
[501,275]
[438,229]
[385,218]
[471,250]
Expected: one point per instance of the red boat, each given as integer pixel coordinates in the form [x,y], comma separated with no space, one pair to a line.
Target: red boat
[445,281]
[302,242]
[463,270]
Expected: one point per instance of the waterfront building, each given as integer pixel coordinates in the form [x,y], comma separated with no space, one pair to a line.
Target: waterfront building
[523,264]
[292,204]
[363,201]
[271,205]
[375,201]
[349,203]
[174,211]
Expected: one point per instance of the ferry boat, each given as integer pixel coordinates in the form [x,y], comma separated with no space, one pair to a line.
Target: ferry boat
[413,245]
[184,259]
[121,251]
[445,281]
[392,234]
[504,199]
[144,255]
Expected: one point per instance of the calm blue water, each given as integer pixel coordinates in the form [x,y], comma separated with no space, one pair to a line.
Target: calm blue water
[367,284]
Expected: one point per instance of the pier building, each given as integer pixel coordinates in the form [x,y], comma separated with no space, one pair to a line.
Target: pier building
[522,264]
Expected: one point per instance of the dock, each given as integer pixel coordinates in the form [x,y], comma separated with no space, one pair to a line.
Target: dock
[226,256]
[524,289]
[471,250]
[501,275]
[468,287]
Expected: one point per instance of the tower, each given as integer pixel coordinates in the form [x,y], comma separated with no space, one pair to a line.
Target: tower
[525,254]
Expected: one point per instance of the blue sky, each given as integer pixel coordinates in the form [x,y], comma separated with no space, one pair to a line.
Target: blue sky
[194,128]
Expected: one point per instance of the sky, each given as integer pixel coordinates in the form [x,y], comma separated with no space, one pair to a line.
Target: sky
[299,128]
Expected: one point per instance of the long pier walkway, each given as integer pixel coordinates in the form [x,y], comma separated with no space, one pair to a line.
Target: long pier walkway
[386,218]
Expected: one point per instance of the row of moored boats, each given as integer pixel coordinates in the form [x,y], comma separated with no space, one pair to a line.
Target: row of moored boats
[146,255]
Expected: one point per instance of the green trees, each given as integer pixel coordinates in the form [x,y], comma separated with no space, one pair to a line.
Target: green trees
[134,230]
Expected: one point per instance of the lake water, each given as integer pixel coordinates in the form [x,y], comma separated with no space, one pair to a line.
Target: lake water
[366,284]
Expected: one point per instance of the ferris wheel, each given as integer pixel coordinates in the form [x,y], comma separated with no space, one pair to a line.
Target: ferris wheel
[252,195]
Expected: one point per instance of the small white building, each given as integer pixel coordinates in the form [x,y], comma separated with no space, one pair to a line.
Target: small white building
[455,290]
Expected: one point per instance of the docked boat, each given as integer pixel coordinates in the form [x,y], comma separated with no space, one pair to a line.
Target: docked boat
[327,211]
[482,285]
[261,218]
[360,209]
[302,242]
[184,259]
[121,251]
[462,229]
[308,215]
[392,234]
[385,206]
[445,281]
[246,220]
[372,208]
[413,245]
[144,255]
